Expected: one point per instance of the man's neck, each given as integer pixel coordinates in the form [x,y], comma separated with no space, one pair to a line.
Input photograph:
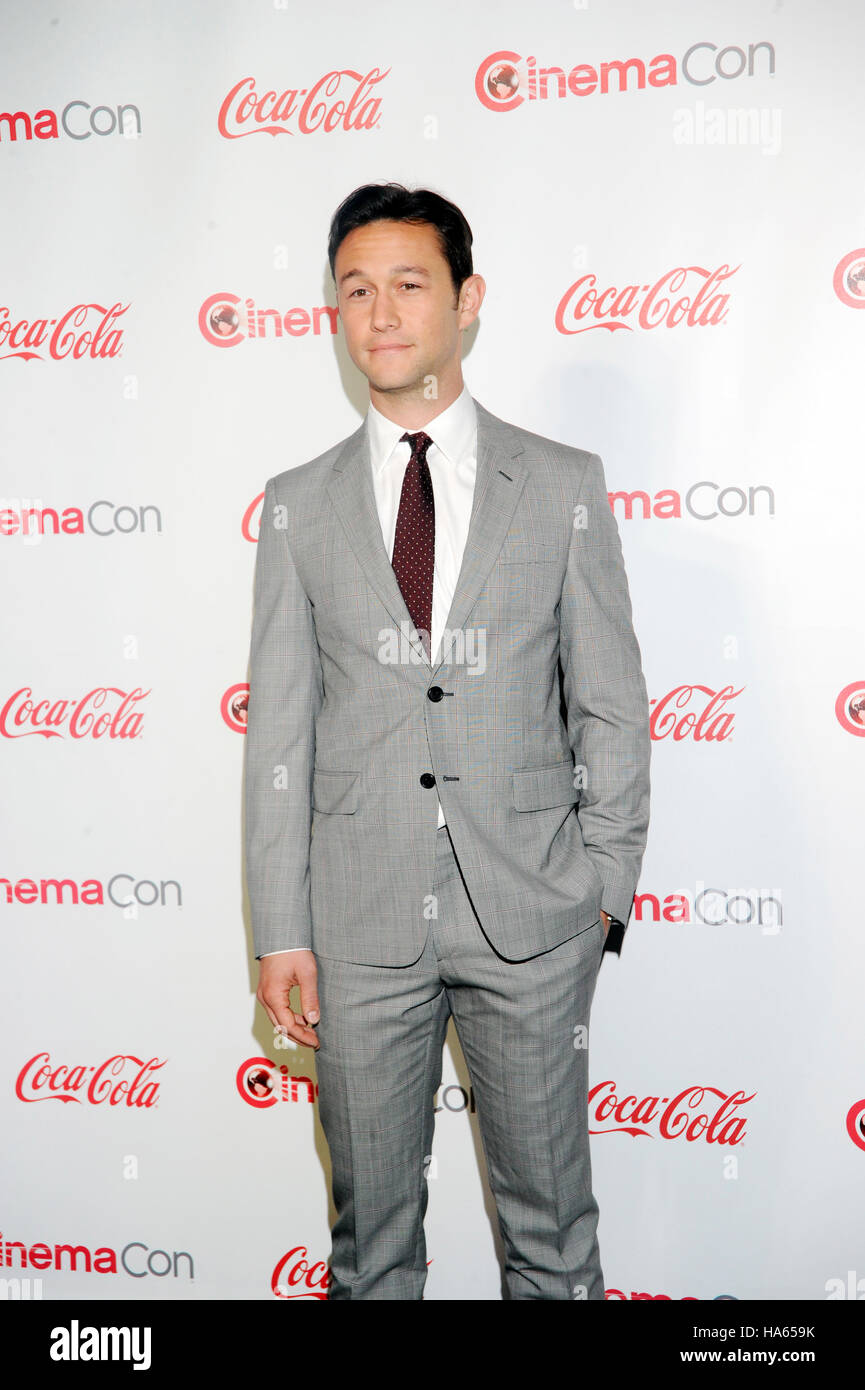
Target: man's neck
[414,410]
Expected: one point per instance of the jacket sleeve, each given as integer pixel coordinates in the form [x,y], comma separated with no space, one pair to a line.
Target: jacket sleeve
[605,694]
[284,698]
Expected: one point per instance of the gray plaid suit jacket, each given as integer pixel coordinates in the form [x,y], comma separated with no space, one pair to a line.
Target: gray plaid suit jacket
[532,726]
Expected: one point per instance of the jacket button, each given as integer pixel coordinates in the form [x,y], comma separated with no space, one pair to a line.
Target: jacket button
[435,693]
[427,780]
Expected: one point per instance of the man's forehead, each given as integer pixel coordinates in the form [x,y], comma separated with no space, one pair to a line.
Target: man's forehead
[390,270]
[359,255]
[402,239]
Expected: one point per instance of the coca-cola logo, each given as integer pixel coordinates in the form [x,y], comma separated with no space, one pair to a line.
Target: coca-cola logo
[85,330]
[504,80]
[23,717]
[123,1079]
[251,524]
[340,100]
[225,320]
[294,1276]
[690,1115]
[234,707]
[687,295]
[850,708]
[711,724]
[848,279]
[856,1123]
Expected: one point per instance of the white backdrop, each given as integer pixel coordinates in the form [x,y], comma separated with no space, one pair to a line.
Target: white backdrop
[725,160]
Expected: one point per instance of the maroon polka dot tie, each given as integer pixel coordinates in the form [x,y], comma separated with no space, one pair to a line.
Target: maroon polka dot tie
[414,538]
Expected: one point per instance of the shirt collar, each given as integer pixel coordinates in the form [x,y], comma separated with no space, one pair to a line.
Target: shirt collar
[454,431]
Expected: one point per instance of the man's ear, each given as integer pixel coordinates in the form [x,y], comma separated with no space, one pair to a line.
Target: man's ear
[471,297]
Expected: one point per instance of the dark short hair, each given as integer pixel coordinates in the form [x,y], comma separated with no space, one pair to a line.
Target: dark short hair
[375,202]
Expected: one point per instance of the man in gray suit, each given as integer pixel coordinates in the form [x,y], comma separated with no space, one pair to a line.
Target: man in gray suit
[447,783]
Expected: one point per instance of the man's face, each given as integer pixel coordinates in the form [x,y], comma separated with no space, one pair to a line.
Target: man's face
[398,305]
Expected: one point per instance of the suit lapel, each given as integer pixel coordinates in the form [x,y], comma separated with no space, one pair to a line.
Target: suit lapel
[499,481]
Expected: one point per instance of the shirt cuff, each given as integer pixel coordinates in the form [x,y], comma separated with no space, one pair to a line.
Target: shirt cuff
[615,934]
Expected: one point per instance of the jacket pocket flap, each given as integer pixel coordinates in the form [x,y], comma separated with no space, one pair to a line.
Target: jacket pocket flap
[536,788]
[334,792]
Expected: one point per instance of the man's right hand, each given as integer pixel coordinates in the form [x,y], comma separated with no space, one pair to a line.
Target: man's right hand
[277,977]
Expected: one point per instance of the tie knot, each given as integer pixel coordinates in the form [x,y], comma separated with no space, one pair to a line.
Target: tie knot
[419,442]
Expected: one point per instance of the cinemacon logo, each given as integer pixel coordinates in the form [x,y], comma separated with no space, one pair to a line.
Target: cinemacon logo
[848,279]
[78,119]
[856,1123]
[707,906]
[80,1259]
[225,320]
[262,1083]
[121,890]
[504,80]
[704,501]
[850,708]
[29,518]
[617,1295]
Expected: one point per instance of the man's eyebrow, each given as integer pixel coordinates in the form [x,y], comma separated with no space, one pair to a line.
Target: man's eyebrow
[394,270]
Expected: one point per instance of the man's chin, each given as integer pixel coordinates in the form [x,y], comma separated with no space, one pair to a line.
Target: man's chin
[394,382]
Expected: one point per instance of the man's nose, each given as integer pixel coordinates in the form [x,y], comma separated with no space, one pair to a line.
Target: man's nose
[384,312]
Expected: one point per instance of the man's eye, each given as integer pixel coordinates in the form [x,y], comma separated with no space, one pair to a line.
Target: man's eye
[359,290]
[408,284]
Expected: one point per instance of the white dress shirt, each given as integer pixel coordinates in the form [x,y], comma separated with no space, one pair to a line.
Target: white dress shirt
[452,459]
